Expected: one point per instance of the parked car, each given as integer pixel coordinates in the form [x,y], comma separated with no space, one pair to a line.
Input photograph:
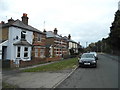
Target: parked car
[87,59]
[96,56]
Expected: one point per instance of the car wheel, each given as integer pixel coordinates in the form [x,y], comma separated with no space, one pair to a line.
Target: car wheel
[95,66]
[79,66]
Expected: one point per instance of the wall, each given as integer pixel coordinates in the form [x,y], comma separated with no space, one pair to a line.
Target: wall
[13,32]
[5,32]
[43,39]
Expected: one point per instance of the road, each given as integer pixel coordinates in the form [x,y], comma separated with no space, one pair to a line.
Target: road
[104,76]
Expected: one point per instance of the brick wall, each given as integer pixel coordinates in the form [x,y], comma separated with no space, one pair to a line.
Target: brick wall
[53,59]
[5,34]
[35,61]
[8,64]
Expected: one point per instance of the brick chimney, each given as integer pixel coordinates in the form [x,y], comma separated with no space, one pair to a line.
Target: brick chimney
[25,18]
[44,31]
[69,36]
[55,31]
[10,21]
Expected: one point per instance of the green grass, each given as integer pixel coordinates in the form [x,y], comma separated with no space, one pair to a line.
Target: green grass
[65,64]
[6,85]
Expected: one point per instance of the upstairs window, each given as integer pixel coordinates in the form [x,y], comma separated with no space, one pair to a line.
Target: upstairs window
[23,35]
[39,37]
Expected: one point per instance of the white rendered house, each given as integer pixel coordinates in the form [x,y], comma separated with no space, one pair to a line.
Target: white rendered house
[17,39]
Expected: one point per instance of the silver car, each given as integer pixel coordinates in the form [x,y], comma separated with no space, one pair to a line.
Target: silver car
[87,59]
[96,57]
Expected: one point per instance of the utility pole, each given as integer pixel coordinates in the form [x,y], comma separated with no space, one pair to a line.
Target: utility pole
[44,25]
[86,44]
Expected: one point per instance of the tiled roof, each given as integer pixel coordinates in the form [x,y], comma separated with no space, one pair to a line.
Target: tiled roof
[23,43]
[51,34]
[20,24]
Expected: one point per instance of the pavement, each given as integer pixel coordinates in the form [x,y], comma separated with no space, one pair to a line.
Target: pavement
[49,79]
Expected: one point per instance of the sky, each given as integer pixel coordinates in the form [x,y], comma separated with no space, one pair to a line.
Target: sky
[86,20]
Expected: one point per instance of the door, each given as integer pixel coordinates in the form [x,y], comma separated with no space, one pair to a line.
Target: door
[4,52]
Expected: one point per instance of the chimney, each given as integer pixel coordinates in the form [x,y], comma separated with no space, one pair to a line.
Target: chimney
[25,18]
[69,36]
[2,22]
[44,31]
[55,31]
[10,21]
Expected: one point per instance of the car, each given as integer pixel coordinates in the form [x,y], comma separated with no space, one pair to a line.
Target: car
[87,59]
[96,56]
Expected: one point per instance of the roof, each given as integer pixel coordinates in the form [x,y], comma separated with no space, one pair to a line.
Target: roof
[51,34]
[23,43]
[20,24]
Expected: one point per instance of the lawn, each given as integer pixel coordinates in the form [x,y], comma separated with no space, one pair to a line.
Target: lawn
[64,64]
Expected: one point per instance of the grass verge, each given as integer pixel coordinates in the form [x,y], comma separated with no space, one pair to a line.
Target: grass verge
[65,64]
[6,85]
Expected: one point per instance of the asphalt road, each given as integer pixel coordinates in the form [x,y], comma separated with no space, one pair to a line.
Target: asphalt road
[104,76]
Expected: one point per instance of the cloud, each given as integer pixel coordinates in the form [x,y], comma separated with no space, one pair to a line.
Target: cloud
[85,20]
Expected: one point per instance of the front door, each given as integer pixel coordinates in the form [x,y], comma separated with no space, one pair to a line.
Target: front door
[4,52]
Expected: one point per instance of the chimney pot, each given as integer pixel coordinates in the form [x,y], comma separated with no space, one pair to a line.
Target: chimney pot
[24,14]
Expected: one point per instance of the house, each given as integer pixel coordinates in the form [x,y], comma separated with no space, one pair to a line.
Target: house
[57,44]
[39,45]
[72,45]
[17,41]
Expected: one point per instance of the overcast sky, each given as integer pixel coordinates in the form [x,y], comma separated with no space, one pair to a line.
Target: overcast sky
[86,20]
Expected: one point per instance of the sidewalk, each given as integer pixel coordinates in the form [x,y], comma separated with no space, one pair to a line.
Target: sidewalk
[37,79]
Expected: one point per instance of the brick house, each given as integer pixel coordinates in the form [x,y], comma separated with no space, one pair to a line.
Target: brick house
[39,45]
[57,44]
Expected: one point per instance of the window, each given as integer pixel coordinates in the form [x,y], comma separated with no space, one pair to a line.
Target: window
[39,37]
[36,52]
[23,35]
[26,52]
[18,51]
[42,51]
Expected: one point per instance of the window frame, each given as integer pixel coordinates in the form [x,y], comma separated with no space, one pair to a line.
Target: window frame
[26,52]
[23,35]
[18,51]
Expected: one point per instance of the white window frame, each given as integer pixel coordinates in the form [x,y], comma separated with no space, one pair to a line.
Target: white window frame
[26,52]
[18,51]
[36,52]
[42,52]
